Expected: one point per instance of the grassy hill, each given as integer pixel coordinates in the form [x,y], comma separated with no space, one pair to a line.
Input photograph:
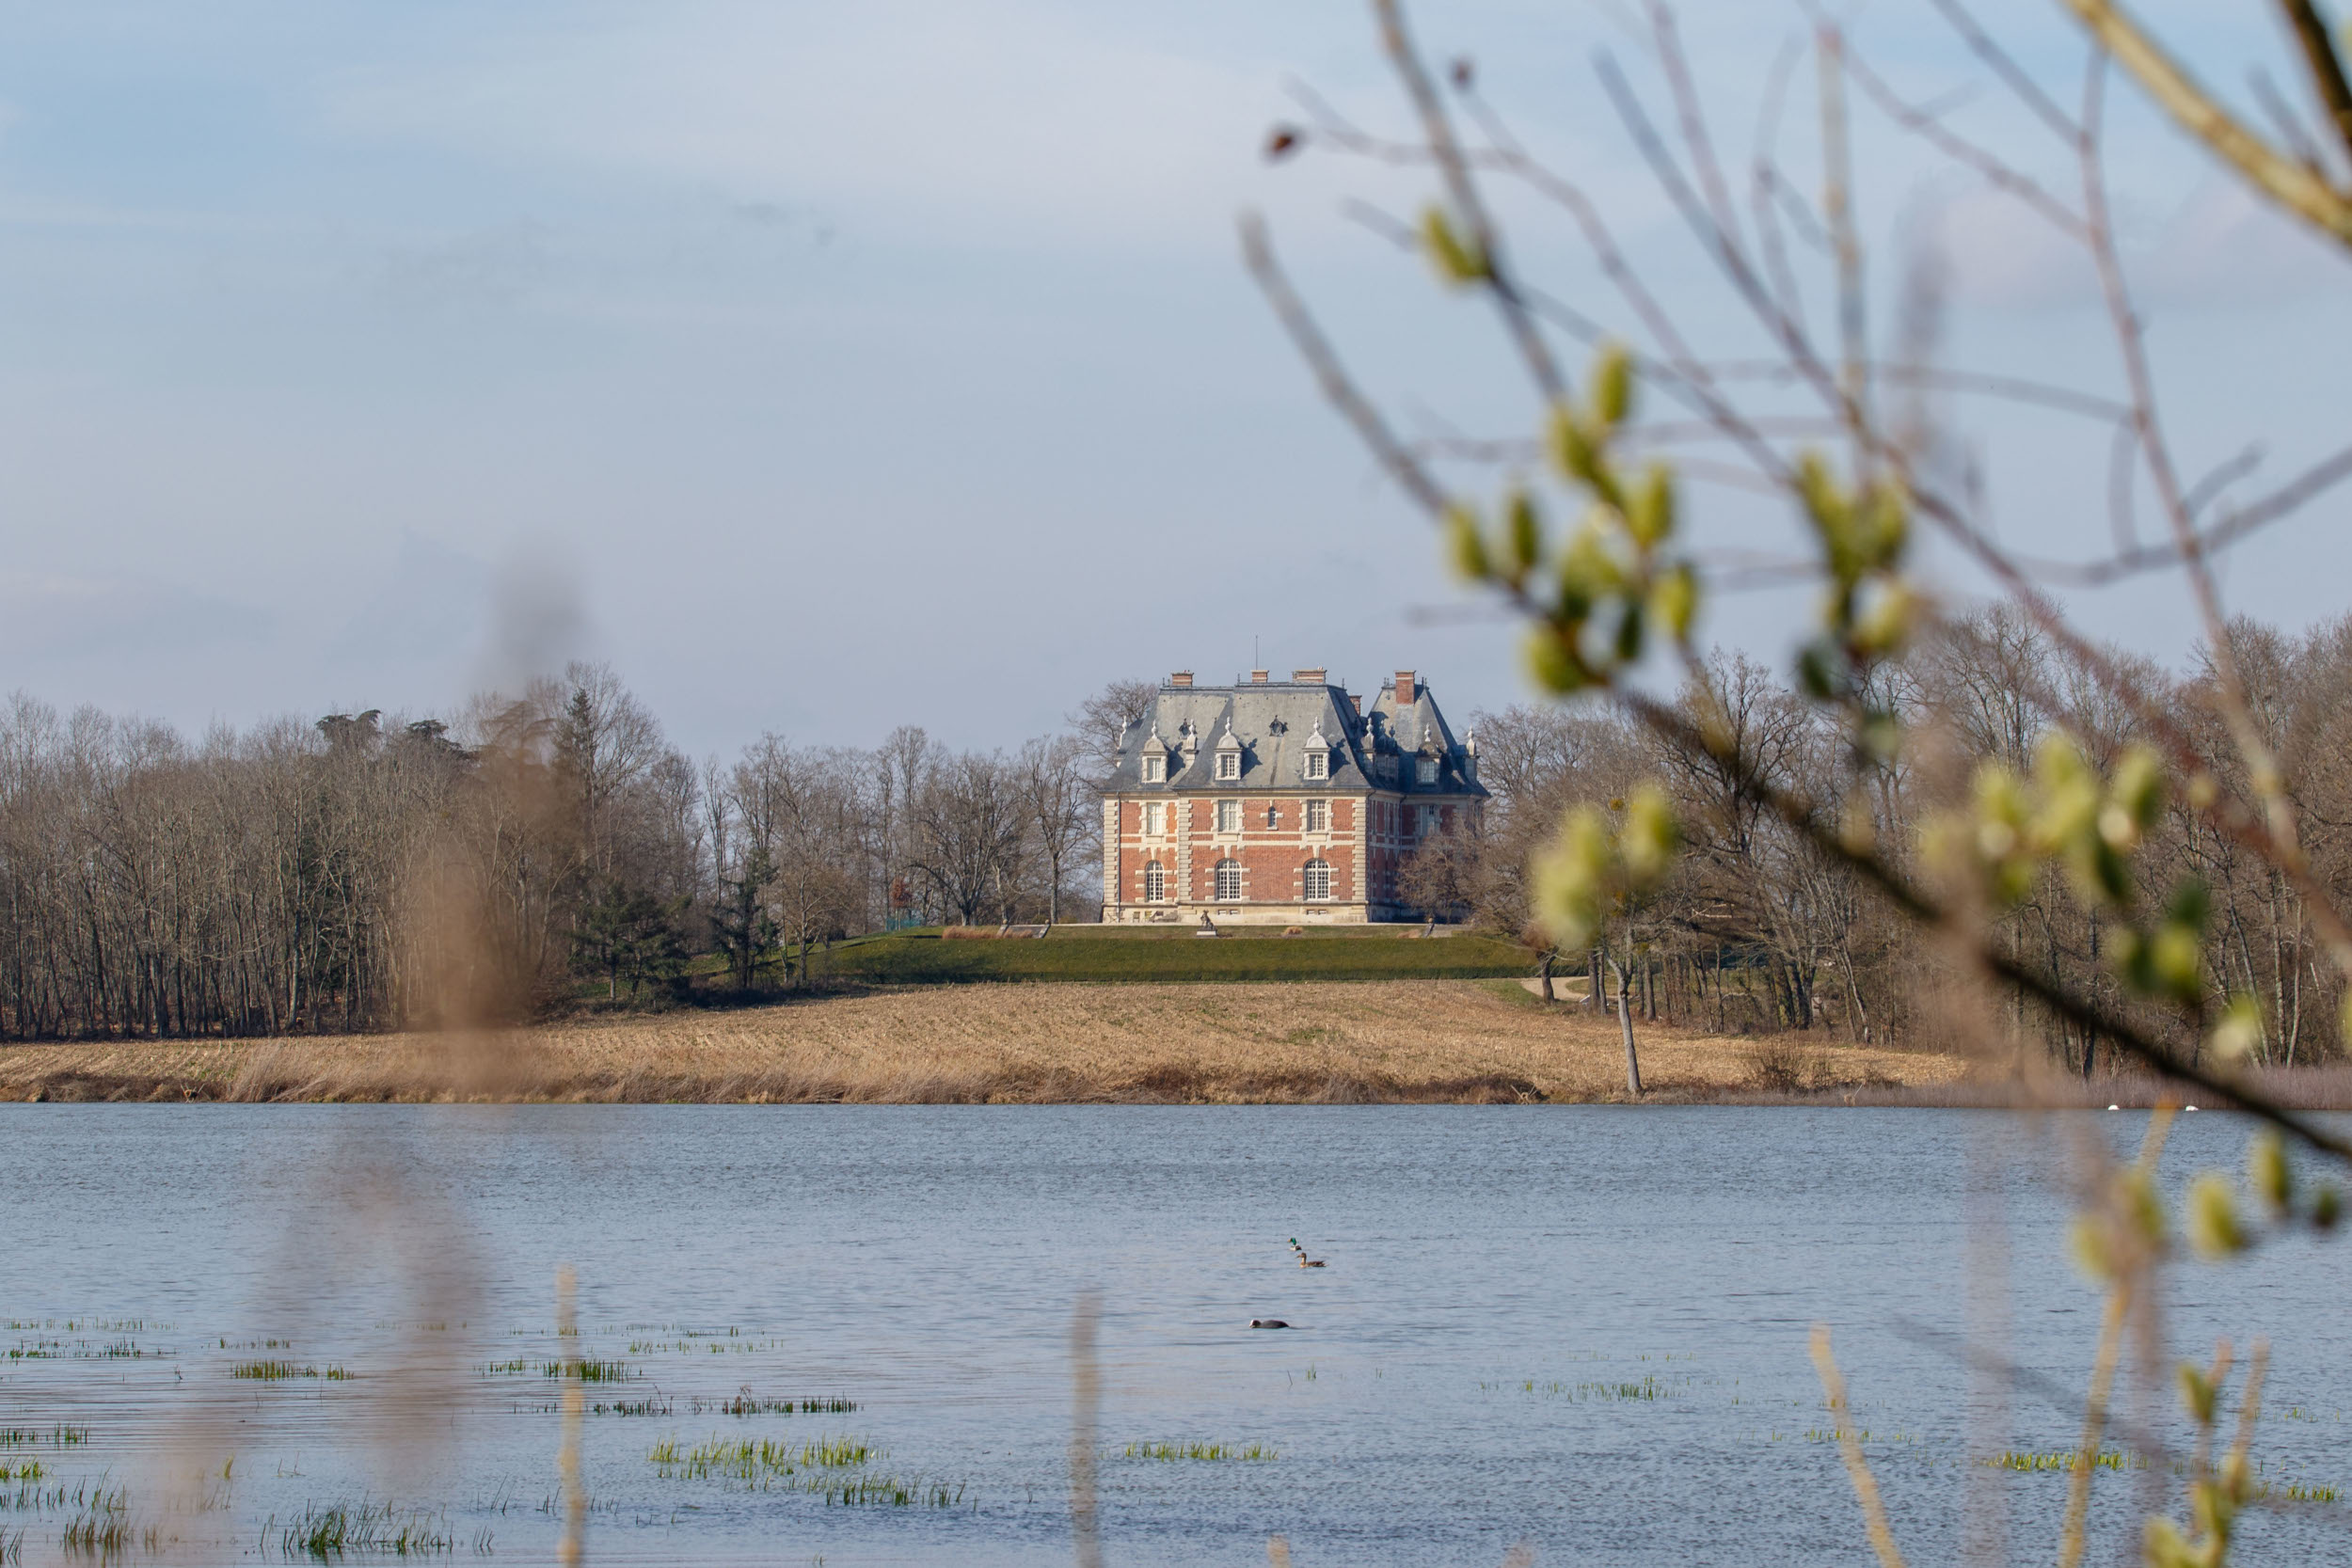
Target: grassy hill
[1135,954]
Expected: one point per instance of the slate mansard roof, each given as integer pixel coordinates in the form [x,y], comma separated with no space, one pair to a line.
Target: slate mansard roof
[1274,723]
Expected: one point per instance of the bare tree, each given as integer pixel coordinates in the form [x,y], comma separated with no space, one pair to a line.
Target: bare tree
[1062,806]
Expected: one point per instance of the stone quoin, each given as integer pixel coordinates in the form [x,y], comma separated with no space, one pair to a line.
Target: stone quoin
[1279,801]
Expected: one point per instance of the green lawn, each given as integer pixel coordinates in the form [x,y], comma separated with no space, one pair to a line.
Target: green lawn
[1374,953]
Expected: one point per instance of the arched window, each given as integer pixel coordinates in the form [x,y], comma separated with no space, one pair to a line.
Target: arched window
[1229,882]
[1155,884]
[1318,878]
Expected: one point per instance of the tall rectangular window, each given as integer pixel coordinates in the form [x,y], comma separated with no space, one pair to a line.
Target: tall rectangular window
[1155,819]
[1229,816]
[1318,816]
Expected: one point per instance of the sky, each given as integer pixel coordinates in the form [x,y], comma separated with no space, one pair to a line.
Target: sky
[828,369]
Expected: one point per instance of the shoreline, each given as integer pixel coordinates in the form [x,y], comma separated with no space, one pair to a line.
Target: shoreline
[1338,1042]
[1478,1042]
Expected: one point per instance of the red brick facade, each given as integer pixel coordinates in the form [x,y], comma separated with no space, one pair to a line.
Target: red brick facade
[1185,835]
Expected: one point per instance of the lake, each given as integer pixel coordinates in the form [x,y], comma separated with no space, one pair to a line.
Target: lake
[1581,1327]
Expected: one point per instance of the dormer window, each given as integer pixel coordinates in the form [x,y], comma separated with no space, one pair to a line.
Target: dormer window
[1155,769]
[1425,769]
[1317,765]
[1228,756]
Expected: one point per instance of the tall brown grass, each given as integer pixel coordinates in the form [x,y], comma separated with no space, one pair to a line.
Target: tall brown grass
[1456,1041]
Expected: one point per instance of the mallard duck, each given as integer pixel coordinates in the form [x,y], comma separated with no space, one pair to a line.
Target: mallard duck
[1305,1262]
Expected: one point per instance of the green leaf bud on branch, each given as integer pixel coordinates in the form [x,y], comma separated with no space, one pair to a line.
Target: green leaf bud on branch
[1525,529]
[1674,600]
[2200,1394]
[1649,837]
[2138,1199]
[1553,663]
[2268,1173]
[1649,512]
[2212,1220]
[2135,796]
[1465,543]
[1572,880]
[2176,957]
[1881,630]
[1574,448]
[1459,262]
[2093,1249]
[2070,795]
[1613,385]
[2239,1031]
[2161,1547]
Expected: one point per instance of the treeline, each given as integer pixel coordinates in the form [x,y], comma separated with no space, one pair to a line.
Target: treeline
[1754,933]
[360,873]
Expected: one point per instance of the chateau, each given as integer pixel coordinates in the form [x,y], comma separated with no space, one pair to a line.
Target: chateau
[1281,802]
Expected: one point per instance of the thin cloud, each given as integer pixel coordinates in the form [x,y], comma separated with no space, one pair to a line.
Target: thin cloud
[1016,122]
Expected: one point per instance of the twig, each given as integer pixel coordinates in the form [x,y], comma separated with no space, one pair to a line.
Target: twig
[2001,175]
[2250,1402]
[2002,65]
[2103,1369]
[1258,251]
[1838,207]
[1085,1395]
[1807,820]
[1765,184]
[2284,121]
[2325,64]
[1469,206]
[1866,1489]
[2262,775]
[2284,181]
[571,1547]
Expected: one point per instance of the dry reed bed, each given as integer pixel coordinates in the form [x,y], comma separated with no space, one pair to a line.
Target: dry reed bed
[1415,1040]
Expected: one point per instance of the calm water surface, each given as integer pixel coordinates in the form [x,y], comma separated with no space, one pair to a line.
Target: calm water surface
[1581,1327]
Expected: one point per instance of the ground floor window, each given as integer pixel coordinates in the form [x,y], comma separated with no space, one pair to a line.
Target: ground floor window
[1229,880]
[1155,884]
[1318,878]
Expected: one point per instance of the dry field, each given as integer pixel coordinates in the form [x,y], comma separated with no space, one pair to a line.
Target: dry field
[1419,1040]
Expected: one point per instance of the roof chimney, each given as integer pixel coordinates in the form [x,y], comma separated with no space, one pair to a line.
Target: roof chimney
[1404,689]
[1357,703]
[1308,677]
[1181,677]
[1257,677]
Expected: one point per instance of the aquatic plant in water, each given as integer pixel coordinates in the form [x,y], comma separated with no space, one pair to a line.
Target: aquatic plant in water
[280,1371]
[365,1529]
[1200,1450]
